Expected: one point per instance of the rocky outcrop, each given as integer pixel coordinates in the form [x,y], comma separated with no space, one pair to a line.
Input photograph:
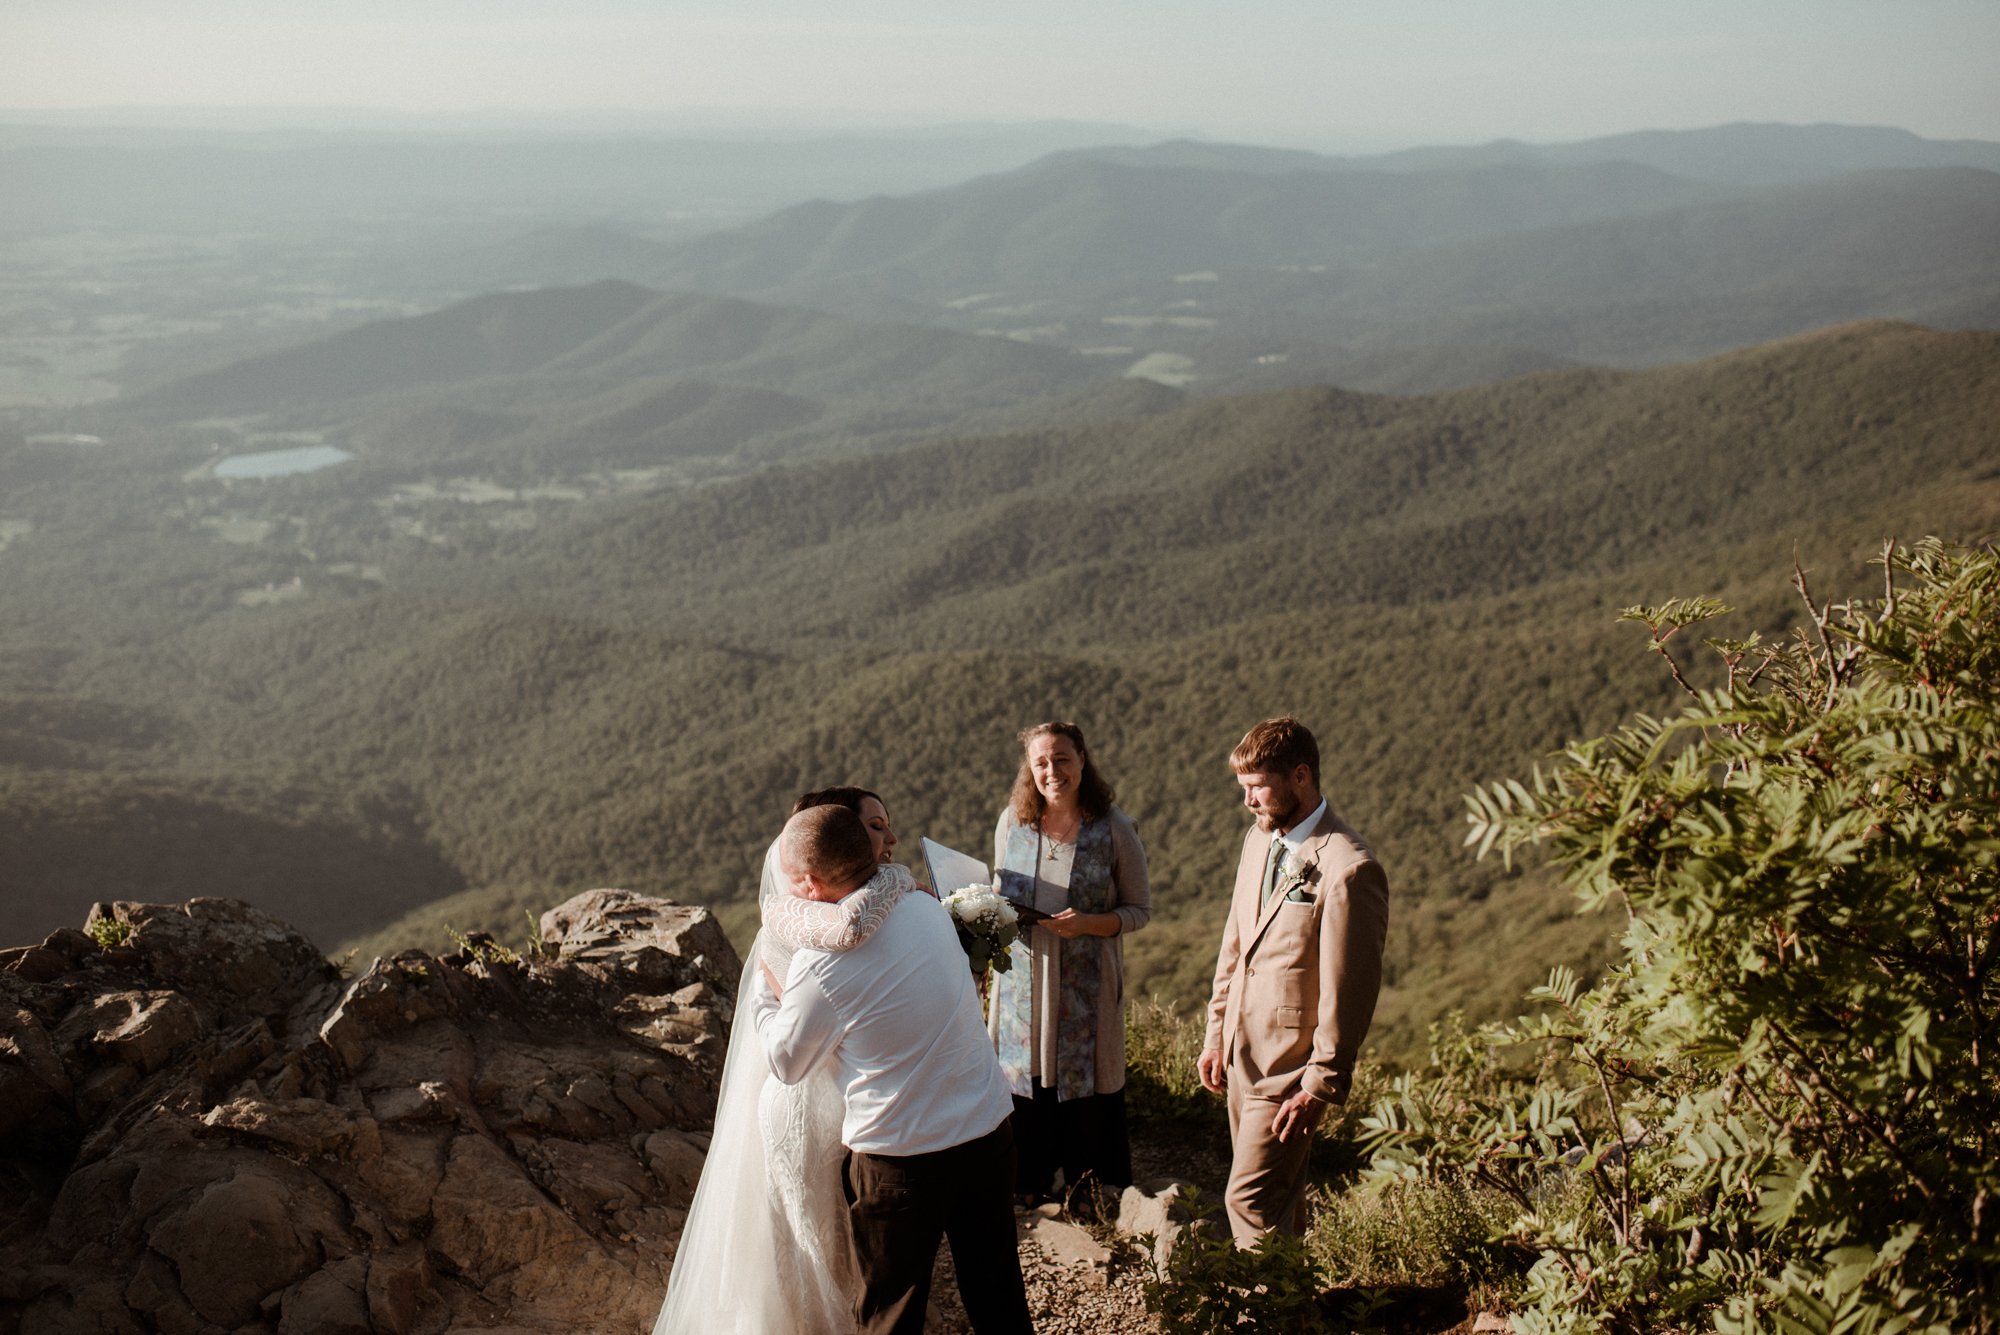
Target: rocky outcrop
[204,1127]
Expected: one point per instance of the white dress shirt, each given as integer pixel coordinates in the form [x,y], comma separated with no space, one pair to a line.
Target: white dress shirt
[1295,838]
[898,1018]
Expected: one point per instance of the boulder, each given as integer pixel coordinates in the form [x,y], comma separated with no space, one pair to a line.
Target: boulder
[37,964]
[35,1086]
[663,947]
[221,949]
[213,1131]
[233,1245]
[140,1029]
[1067,1245]
[1156,1208]
[676,1162]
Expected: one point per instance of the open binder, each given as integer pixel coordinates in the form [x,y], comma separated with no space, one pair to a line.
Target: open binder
[952,870]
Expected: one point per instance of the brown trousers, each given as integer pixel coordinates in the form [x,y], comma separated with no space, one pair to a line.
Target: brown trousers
[1267,1178]
[899,1207]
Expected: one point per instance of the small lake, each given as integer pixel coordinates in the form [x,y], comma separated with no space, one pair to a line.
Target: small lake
[282,463]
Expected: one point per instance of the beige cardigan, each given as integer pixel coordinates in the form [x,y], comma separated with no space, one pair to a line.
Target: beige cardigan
[1134,909]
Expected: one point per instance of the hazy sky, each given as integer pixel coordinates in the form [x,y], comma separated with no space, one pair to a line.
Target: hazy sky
[1381,73]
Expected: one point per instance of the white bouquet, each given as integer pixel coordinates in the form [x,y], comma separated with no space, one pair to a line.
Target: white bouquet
[987,925]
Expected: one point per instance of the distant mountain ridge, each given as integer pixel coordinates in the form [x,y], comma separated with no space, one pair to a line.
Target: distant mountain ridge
[173,180]
[1743,153]
[1233,260]
[1684,282]
[1086,218]
[1227,267]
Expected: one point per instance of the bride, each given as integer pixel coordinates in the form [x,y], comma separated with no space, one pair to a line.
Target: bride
[765,1245]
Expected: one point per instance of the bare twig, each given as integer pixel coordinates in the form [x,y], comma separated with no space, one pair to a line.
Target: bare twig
[1660,647]
[1888,578]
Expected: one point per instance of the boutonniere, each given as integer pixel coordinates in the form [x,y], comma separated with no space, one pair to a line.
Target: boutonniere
[1296,879]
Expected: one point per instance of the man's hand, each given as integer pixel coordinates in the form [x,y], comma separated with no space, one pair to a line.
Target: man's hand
[1209,1067]
[1297,1115]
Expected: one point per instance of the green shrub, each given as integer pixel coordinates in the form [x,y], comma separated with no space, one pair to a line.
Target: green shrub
[1408,1233]
[109,932]
[1161,1046]
[1209,1285]
[1779,1111]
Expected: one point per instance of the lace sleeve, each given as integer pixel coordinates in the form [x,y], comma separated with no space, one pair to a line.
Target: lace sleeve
[807,924]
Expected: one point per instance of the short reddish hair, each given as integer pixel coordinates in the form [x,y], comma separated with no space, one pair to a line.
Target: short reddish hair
[1276,746]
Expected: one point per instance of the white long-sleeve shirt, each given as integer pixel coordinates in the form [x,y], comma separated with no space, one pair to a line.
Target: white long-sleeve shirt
[898,1018]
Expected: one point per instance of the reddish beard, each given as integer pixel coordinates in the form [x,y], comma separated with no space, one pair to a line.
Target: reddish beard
[1283,815]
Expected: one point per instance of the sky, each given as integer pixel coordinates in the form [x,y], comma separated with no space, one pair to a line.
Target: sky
[1331,73]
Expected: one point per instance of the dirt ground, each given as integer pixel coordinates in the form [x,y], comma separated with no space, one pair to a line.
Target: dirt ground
[1087,1299]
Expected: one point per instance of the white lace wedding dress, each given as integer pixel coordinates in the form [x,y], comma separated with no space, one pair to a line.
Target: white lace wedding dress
[765,1247]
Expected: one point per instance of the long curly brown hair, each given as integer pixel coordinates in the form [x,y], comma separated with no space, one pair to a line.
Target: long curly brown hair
[1093,794]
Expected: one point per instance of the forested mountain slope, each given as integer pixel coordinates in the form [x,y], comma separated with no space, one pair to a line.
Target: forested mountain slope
[1219,511]
[534,386]
[631,692]
[585,339]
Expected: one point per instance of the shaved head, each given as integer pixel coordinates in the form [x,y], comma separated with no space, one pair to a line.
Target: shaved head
[829,844]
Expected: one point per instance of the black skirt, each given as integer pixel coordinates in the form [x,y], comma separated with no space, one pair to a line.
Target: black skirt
[1083,1137]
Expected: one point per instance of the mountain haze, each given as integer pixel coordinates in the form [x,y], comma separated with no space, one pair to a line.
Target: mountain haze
[60,177]
[1083,218]
[1679,283]
[1742,154]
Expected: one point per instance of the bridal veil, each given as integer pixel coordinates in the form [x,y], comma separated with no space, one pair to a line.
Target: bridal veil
[765,1246]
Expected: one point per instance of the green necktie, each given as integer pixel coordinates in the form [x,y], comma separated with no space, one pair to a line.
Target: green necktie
[1274,859]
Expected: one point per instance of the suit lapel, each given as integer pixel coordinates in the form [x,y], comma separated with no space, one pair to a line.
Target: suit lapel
[1309,856]
[1244,903]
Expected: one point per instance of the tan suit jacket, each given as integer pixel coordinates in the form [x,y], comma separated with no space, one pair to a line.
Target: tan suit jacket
[1296,980]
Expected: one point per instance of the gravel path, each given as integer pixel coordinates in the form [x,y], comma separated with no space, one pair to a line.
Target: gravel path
[1087,1299]
[1065,1300]
[1084,1299]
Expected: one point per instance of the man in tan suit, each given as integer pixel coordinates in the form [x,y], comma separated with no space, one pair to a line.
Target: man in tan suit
[1297,977]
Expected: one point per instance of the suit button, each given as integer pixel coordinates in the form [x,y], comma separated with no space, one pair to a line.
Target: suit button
[1250,973]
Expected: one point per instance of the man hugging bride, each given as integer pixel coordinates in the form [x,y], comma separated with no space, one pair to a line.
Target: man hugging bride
[863,1117]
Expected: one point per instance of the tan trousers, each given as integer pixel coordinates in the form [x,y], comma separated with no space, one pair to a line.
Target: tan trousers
[1267,1179]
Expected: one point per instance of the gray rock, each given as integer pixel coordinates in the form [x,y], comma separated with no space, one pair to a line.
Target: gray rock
[35,1087]
[1069,1246]
[231,1138]
[233,1245]
[141,1029]
[660,945]
[1157,1208]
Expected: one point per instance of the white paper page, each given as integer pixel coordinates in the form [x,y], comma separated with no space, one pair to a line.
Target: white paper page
[952,870]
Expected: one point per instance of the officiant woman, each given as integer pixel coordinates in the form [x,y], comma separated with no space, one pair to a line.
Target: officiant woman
[1057,1016]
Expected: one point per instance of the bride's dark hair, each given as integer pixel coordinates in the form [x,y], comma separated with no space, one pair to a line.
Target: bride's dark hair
[843,795]
[1093,794]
